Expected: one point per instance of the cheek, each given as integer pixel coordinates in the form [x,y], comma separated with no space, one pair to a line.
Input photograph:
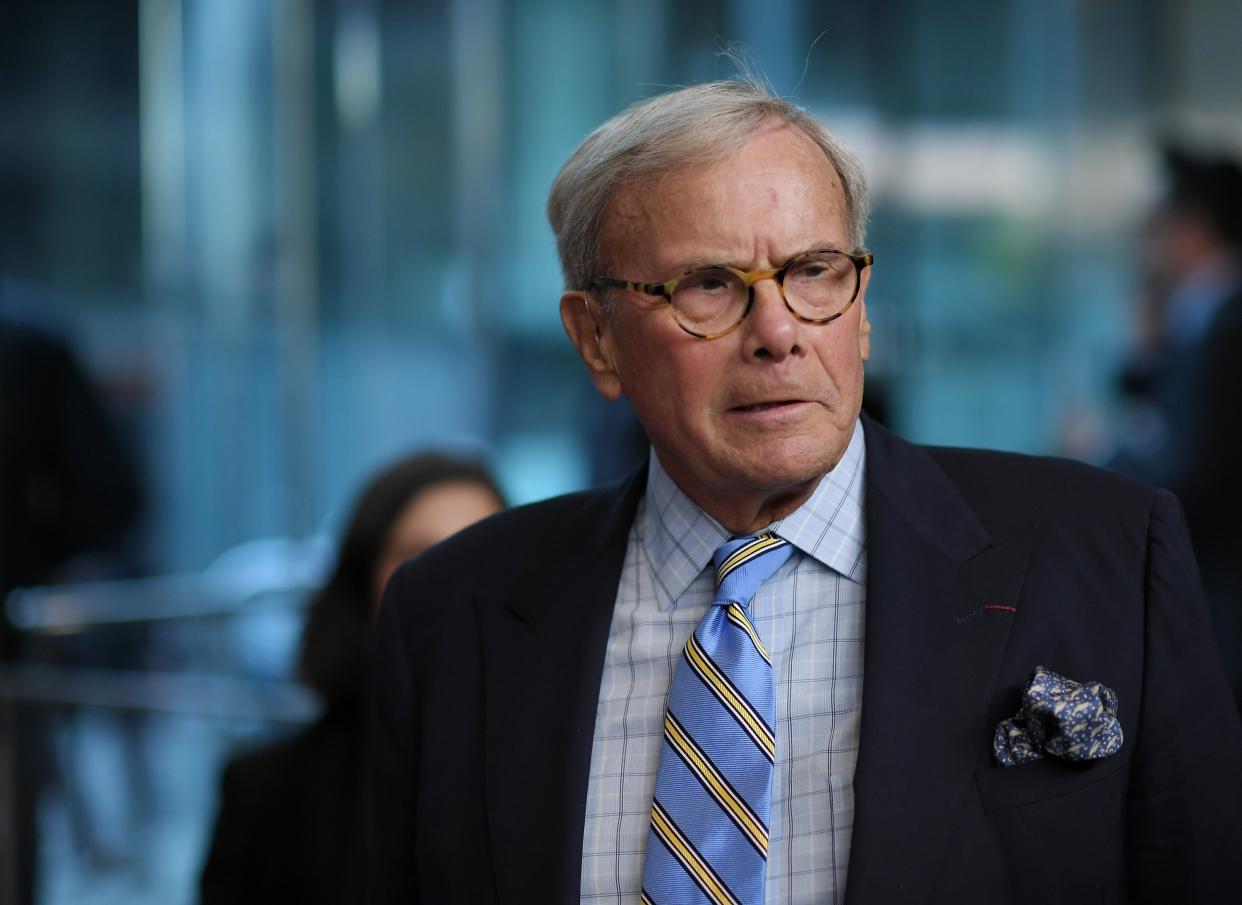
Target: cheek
[842,360]
[851,365]
[661,365]
[694,380]
[674,395]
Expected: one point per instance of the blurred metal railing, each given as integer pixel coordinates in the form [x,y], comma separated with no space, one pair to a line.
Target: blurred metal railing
[216,645]
[200,695]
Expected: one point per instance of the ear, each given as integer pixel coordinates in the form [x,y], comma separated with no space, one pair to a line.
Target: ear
[864,322]
[587,329]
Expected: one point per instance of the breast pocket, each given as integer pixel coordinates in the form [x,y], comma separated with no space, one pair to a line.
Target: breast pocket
[1001,788]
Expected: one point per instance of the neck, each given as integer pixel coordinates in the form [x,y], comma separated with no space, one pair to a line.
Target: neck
[745,514]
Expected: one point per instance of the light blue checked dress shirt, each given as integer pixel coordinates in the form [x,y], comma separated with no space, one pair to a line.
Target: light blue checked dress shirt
[810,616]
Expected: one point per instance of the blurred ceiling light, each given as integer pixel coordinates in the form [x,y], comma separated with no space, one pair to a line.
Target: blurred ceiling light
[1096,177]
[974,169]
[356,68]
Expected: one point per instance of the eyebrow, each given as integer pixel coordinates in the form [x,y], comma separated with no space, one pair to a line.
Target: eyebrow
[814,246]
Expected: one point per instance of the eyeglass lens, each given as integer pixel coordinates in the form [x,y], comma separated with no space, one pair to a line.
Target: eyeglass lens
[816,287]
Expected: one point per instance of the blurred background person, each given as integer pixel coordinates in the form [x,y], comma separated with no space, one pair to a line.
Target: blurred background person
[70,491]
[1183,381]
[69,495]
[291,825]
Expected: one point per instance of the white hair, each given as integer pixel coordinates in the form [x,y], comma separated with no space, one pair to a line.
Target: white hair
[698,124]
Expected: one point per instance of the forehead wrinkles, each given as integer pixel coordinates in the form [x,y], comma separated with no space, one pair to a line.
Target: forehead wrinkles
[642,210]
[634,212]
[654,207]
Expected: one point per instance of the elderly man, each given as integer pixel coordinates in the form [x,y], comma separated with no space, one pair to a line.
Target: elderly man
[795,659]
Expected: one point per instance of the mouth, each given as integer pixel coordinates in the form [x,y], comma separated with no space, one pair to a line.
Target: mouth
[767,406]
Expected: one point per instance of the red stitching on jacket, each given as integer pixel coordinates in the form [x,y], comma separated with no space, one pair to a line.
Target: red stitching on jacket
[1001,607]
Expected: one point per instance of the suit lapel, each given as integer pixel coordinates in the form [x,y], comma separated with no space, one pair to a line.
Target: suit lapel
[937,588]
[542,659]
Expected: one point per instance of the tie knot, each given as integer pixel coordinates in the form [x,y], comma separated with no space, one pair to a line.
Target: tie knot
[744,563]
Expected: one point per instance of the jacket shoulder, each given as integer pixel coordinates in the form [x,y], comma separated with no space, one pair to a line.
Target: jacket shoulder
[1005,487]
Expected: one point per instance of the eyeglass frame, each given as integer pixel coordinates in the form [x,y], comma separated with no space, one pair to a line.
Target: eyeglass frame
[860,260]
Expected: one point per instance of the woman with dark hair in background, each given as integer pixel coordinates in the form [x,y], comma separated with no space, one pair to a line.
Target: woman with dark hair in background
[292,824]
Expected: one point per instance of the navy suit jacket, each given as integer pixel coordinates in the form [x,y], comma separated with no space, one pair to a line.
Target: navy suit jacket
[980,567]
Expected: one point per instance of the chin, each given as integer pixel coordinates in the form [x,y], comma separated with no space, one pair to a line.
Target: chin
[789,464]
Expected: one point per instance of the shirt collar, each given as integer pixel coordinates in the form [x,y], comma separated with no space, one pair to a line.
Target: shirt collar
[830,526]
[679,538]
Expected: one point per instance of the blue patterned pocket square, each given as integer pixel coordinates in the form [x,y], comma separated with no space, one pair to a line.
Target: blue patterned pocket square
[1061,718]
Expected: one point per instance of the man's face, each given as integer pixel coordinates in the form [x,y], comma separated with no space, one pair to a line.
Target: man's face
[763,412]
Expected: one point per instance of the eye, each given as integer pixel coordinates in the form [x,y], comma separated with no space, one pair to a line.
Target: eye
[708,281]
[818,267]
[703,297]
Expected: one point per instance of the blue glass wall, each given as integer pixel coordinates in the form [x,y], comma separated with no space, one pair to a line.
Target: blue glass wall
[296,239]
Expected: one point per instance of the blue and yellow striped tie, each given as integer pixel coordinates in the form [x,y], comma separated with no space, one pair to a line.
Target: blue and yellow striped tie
[709,820]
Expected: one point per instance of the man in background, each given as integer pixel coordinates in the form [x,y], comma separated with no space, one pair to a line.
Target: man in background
[1184,379]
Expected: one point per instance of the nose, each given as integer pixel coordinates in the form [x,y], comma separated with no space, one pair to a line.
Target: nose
[772,333]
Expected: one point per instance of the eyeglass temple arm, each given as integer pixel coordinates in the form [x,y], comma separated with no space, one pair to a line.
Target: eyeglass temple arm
[647,288]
